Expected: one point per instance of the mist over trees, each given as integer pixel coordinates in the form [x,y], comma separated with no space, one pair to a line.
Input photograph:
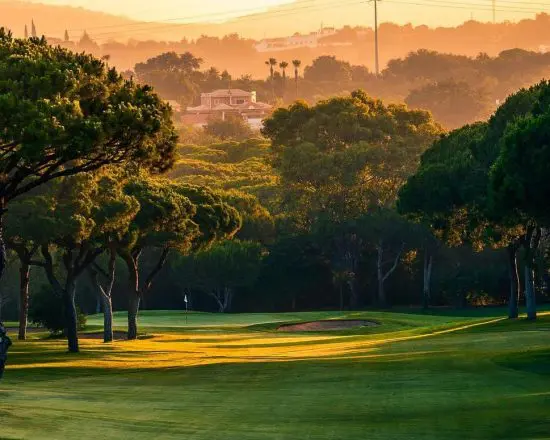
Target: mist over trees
[456,89]
[424,67]
[237,54]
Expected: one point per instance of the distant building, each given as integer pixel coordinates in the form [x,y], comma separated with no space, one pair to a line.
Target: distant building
[219,103]
[312,39]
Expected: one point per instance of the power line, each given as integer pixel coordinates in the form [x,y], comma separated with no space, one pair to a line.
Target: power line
[469,6]
[141,27]
[329,5]
[279,13]
[523,3]
[482,6]
[195,19]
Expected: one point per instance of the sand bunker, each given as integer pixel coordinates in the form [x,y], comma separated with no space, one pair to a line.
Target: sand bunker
[322,326]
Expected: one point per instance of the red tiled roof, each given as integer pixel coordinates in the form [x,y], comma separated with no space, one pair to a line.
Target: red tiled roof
[228,92]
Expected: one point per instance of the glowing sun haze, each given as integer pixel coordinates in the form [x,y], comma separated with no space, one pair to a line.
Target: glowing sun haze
[186,10]
[310,13]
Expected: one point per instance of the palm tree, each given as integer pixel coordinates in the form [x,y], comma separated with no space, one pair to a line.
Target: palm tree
[272,62]
[283,65]
[296,64]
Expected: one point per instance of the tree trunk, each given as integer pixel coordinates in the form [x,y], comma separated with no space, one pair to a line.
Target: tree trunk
[133,309]
[132,263]
[426,291]
[71,319]
[293,305]
[107,318]
[353,299]
[98,302]
[24,279]
[227,299]
[3,254]
[531,245]
[221,305]
[513,304]
[381,294]
[272,83]
[67,296]
[530,298]
[380,276]
[341,290]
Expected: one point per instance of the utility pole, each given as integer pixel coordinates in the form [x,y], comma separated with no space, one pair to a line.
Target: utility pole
[376,61]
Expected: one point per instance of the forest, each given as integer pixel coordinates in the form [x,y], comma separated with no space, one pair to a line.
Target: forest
[456,89]
[366,257]
[346,203]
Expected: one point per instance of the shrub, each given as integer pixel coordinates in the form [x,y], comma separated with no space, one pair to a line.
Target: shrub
[47,310]
[232,127]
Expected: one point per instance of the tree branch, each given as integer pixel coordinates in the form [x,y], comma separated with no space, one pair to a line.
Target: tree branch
[395,263]
[48,267]
[158,267]
[87,260]
[99,269]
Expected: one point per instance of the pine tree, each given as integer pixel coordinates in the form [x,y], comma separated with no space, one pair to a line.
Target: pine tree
[33,29]
[66,35]
[26,32]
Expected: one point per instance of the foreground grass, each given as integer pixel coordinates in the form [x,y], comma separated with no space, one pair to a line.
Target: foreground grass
[417,376]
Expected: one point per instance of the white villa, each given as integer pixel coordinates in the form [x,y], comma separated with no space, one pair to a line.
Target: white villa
[219,103]
[295,41]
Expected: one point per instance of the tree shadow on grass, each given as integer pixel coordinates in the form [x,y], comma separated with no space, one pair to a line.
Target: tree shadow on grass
[536,361]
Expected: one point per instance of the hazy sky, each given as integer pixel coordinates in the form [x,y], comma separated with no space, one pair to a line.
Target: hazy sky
[332,12]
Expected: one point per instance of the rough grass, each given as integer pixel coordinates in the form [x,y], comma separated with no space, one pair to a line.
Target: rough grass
[443,375]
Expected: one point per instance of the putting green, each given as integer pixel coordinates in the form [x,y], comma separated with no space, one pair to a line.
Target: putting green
[450,375]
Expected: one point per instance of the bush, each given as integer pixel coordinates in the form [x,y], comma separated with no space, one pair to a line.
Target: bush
[232,127]
[47,310]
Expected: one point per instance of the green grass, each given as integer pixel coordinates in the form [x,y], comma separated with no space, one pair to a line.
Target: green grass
[443,375]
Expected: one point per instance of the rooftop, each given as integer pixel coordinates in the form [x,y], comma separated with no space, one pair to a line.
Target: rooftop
[228,92]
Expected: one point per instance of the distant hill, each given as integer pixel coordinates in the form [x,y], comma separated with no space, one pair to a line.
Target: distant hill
[239,56]
[52,20]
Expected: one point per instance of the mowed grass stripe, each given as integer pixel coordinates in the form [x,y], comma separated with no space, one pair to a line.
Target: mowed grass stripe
[430,377]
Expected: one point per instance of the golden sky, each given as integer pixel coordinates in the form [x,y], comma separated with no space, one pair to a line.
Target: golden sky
[311,13]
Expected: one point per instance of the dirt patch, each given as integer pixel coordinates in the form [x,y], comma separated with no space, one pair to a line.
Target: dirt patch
[323,326]
[117,336]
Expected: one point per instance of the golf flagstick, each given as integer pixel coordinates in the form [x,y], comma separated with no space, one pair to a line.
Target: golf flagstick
[185,301]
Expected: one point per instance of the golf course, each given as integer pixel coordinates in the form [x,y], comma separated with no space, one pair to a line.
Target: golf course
[440,375]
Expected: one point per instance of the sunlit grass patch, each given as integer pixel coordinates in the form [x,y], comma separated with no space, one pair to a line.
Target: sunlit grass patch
[233,377]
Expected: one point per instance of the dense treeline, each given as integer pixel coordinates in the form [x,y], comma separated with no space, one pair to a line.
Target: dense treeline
[238,54]
[343,204]
[456,89]
[486,184]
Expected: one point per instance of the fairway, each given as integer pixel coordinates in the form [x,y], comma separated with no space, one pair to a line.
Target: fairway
[452,375]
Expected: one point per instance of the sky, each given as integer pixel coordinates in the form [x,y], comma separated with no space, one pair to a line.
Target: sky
[330,12]
[171,10]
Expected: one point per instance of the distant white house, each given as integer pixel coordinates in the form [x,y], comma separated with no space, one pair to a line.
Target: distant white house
[295,41]
[220,103]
